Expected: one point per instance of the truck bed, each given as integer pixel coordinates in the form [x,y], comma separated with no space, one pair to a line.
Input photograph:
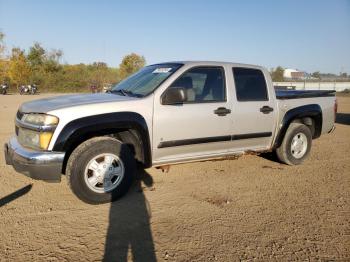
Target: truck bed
[294,94]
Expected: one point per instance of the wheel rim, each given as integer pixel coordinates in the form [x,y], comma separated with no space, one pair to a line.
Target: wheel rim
[299,145]
[104,173]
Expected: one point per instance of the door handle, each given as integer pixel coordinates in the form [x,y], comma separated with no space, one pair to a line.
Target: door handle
[222,111]
[266,109]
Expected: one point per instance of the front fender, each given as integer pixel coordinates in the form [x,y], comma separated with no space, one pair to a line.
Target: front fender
[79,130]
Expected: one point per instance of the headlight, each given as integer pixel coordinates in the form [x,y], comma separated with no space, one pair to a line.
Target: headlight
[40,119]
[36,130]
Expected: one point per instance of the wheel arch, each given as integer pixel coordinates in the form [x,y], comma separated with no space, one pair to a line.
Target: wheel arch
[310,115]
[129,127]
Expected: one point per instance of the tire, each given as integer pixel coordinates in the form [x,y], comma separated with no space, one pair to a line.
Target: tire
[293,150]
[91,161]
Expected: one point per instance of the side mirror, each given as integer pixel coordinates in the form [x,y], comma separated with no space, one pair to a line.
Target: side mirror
[174,95]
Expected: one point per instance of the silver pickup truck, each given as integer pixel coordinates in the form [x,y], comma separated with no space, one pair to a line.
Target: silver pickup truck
[165,114]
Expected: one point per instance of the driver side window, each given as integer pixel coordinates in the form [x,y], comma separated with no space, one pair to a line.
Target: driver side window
[203,84]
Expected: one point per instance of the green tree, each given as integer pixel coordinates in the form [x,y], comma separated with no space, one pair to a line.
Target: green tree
[19,69]
[36,58]
[2,44]
[52,60]
[130,64]
[98,74]
[316,75]
[4,66]
[36,55]
[277,74]
[3,61]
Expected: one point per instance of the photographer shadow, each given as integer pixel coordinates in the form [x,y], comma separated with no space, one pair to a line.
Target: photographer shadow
[17,194]
[129,225]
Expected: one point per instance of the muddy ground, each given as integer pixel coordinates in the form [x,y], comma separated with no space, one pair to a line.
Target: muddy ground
[252,208]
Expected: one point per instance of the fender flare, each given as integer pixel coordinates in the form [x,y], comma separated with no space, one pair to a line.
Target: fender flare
[313,110]
[76,131]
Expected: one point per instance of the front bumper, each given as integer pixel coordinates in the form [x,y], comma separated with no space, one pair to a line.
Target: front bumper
[41,165]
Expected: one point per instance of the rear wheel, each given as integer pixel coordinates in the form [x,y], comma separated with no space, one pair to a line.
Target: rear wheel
[296,144]
[100,170]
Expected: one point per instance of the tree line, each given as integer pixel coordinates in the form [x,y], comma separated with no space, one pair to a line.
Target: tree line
[44,68]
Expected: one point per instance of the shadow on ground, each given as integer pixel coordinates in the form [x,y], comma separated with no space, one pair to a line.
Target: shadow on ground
[270,156]
[129,229]
[13,196]
[343,119]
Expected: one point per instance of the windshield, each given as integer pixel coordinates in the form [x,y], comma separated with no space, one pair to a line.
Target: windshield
[146,80]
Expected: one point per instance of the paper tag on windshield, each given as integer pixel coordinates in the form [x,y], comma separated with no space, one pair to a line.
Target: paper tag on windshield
[162,70]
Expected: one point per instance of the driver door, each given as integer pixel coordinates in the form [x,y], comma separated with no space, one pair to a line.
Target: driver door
[198,127]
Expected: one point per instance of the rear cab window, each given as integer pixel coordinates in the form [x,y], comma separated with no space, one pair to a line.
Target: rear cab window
[250,84]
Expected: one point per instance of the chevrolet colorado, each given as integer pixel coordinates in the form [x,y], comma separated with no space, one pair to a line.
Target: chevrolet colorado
[164,114]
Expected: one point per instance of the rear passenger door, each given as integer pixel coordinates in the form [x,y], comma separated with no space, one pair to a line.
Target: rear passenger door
[253,117]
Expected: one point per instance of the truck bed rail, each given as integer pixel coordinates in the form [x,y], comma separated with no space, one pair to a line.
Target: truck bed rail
[294,94]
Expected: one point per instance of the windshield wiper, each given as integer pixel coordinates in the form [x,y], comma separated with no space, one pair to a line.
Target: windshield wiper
[126,93]
[120,91]
[130,93]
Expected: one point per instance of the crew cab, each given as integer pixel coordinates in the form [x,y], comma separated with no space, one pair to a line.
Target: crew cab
[165,114]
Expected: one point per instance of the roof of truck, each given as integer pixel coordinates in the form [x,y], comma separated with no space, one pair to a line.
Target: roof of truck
[214,63]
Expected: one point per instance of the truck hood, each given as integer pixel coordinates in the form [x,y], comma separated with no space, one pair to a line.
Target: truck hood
[53,103]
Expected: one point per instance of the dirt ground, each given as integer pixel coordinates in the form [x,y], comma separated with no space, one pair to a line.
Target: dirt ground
[252,208]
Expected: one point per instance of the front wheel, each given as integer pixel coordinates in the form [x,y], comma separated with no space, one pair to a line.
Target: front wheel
[296,144]
[100,170]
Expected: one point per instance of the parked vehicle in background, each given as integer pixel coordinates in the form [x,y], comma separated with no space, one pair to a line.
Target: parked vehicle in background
[93,89]
[3,88]
[28,89]
[106,88]
[165,114]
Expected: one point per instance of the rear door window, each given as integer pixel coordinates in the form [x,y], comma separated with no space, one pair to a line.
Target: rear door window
[250,84]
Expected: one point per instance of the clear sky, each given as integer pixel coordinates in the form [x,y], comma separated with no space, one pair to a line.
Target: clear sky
[308,35]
